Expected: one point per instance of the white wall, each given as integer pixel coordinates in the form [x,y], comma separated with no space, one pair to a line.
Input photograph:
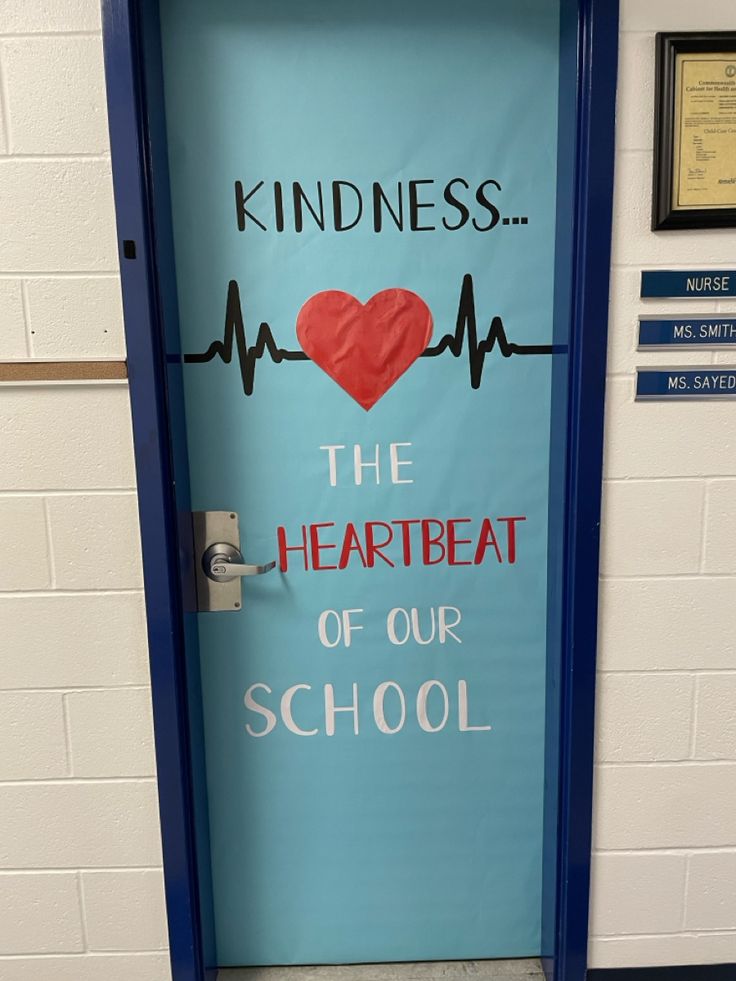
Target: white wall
[80,890]
[664,870]
[81,895]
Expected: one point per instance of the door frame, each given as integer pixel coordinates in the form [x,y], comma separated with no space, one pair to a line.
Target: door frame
[140,177]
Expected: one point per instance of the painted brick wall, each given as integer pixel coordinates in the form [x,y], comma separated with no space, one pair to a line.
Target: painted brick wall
[80,886]
[664,872]
[81,895]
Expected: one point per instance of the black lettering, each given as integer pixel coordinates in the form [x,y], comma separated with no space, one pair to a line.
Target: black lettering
[337,205]
[415,205]
[455,203]
[379,199]
[278,200]
[241,210]
[301,198]
[488,205]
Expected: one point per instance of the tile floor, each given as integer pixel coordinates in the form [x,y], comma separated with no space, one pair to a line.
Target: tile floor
[517,970]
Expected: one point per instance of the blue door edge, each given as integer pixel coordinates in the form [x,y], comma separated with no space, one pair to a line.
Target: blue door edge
[598,26]
[137,134]
[137,137]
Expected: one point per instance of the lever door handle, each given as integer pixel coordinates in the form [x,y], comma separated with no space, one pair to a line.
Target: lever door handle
[225,571]
[223,563]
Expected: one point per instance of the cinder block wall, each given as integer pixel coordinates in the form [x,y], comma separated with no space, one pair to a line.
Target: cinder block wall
[80,886]
[81,895]
[664,869]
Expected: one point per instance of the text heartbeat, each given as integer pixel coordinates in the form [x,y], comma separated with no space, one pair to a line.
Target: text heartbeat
[466,331]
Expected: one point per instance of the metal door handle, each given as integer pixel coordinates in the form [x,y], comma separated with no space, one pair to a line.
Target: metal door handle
[225,571]
[223,563]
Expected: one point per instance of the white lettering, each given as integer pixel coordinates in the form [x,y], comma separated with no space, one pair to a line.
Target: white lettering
[396,463]
[378,707]
[331,709]
[252,705]
[422,698]
[286,699]
[462,710]
[445,627]
[332,457]
[360,466]
[391,626]
[322,628]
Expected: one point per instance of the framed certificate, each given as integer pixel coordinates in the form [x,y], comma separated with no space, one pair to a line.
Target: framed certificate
[695,131]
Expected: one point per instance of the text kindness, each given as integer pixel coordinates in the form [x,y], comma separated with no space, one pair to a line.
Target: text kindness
[340,205]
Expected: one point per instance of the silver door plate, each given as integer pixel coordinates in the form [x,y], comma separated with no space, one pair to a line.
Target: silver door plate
[210,527]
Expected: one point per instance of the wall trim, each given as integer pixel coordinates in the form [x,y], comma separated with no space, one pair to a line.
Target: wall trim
[25,371]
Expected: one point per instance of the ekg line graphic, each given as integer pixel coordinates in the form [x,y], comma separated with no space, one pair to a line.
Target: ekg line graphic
[466,332]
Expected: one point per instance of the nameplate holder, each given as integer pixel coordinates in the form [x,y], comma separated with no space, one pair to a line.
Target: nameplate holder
[697,331]
[710,383]
[666,284]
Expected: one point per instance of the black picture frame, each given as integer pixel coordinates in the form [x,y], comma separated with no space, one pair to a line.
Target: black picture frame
[665,217]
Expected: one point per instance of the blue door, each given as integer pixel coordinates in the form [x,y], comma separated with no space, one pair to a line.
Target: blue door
[364,203]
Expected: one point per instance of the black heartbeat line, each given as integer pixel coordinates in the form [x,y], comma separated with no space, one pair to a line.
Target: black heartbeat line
[465,328]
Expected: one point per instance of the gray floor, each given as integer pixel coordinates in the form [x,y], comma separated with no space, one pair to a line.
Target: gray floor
[525,970]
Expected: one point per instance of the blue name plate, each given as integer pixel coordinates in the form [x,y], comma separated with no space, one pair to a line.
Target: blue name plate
[703,331]
[686,383]
[676,283]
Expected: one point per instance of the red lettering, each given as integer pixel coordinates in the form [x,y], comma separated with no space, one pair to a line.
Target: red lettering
[317,546]
[351,543]
[284,548]
[440,542]
[372,547]
[485,539]
[453,542]
[511,536]
[428,541]
[405,539]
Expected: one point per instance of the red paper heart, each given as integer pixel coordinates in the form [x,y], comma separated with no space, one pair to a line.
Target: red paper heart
[364,348]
